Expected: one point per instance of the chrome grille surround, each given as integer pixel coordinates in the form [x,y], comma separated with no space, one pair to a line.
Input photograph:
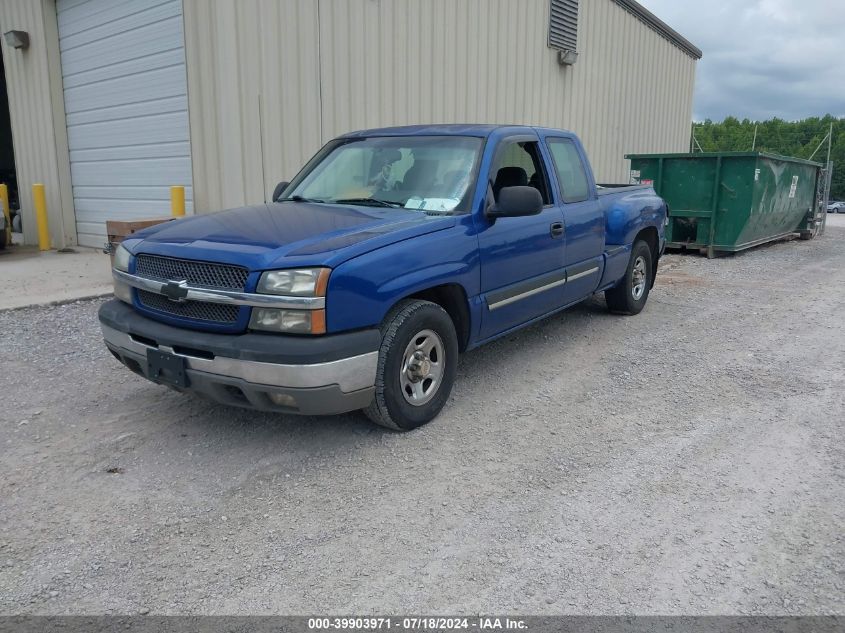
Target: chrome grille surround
[228,297]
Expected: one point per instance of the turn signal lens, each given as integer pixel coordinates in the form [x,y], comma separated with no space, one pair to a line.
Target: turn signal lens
[122,291]
[289,321]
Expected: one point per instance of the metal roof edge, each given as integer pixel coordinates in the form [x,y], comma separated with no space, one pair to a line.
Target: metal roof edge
[660,26]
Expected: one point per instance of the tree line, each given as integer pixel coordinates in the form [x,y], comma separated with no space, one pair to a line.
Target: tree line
[788,138]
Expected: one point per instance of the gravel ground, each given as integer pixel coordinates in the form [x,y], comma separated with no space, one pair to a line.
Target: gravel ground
[685,461]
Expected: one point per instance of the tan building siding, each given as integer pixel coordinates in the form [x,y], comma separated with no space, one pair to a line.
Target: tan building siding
[271,80]
[36,109]
[253,95]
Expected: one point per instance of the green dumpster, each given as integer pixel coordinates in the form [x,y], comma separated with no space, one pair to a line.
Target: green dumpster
[730,201]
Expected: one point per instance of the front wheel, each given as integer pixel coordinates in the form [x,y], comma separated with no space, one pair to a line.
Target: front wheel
[417,362]
[630,294]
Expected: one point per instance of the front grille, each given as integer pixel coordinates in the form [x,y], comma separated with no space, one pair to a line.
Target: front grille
[200,310]
[204,274]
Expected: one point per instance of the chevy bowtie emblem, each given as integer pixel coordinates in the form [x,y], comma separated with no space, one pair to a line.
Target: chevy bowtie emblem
[176,290]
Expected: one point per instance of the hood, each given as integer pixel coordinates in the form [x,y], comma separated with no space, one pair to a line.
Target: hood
[299,233]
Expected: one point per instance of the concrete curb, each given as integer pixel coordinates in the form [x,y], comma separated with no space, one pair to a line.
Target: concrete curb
[57,302]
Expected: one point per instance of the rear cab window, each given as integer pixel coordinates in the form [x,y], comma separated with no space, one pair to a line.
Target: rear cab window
[569,167]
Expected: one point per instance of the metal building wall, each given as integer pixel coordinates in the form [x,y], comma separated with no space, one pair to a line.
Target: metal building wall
[253,95]
[36,107]
[271,80]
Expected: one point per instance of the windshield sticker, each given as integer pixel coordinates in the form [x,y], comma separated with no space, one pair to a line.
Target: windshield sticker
[431,204]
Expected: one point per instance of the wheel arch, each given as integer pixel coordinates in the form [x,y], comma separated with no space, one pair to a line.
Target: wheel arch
[452,297]
[650,236]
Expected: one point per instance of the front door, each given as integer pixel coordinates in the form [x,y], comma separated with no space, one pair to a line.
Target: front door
[522,259]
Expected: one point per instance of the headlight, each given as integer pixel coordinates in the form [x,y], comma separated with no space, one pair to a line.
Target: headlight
[299,282]
[122,290]
[296,282]
[121,259]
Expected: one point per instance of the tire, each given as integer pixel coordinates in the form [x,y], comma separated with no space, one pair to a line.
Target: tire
[427,328]
[630,295]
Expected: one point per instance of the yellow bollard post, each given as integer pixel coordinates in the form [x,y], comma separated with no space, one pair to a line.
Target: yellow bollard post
[39,201]
[4,203]
[177,201]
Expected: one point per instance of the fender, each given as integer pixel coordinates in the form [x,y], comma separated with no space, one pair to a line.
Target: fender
[630,214]
[362,290]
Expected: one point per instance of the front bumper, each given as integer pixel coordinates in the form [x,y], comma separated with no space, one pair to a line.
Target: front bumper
[305,375]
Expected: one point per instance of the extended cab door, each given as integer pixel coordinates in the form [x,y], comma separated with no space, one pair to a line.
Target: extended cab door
[582,216]
[522,258]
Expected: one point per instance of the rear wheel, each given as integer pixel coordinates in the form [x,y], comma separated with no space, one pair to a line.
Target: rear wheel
[630,295]
[417,362]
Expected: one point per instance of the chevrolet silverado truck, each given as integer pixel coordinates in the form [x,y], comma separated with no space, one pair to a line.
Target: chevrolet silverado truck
[390,253]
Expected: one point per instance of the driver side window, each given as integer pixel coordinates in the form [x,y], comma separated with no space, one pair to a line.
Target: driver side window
[519,164]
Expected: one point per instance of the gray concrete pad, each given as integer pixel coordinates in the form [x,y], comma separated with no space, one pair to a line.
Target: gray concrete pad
[29,277]
[687,460]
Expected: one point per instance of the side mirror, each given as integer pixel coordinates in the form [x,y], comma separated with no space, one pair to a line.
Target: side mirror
[516,202]
[277,192]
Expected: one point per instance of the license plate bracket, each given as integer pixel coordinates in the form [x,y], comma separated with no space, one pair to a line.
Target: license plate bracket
[167,368]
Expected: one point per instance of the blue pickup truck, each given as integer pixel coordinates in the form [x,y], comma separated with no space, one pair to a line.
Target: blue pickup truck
[393,251]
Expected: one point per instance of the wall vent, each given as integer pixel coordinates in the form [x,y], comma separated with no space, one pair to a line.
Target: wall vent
[563,29]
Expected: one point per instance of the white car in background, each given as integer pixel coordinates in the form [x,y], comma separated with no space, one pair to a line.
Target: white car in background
[836,207]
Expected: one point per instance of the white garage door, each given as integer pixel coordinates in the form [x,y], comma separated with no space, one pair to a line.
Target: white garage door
[125,89]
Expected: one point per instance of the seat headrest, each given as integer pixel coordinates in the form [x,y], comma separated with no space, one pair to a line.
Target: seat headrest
[421,173]
[509,177]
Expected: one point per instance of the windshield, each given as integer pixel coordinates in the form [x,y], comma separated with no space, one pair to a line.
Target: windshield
[429,173]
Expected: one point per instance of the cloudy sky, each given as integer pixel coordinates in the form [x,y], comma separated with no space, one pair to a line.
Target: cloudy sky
[763,58]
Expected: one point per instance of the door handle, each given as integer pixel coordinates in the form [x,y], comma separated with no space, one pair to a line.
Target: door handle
[556,229]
